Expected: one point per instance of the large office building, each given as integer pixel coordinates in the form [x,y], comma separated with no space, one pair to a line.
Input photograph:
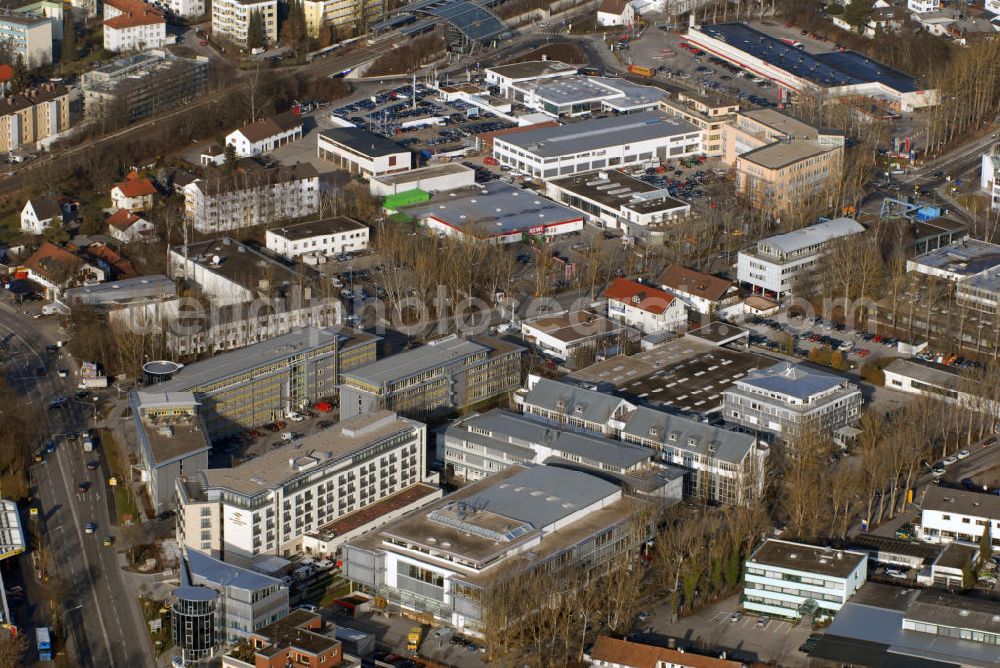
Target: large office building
[634,140]
[28,36]
[231,20]
[480,445]
[948,514]
[790,401]
[32,116]
[247,388]
[172,440]
[779,264]
[708,113]
[721,465]
[834,74]
[144,84]
[797,581]
[268,505]
[444,375]
[253,194]
[780,162]
[441,562]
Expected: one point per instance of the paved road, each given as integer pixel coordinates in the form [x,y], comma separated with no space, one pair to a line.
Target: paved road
[103,616]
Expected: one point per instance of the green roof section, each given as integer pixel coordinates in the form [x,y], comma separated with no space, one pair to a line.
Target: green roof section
[408,198]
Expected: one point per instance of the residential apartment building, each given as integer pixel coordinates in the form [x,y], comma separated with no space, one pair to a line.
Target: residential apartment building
[265,135]
[781,162]
[948,514]
[143,84]
[300,639]
[790,401]
[28,36]
[441,561]
[648,309]
[634,140]
[246,601]
[327,238]
[722,466]
[702,293]
[923,6]
[186,8]
[444,375]
[251,195]
[133,25]
[573,336]
[231,19]
[361,152]
[781,263]
[173,440]
[796,581]
[247,388]
[705,112]
[36,114]
[480,445]
[989,176]
[267,506]
[345,17]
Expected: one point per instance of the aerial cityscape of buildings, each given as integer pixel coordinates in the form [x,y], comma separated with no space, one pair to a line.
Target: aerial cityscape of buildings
[629,334]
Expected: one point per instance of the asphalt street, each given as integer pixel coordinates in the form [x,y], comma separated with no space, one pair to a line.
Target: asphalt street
[103,618]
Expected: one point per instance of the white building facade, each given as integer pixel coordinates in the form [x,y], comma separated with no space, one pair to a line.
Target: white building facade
[956,514]
[793,580]
[778,263]
[636,140]
[268,508]
[924,6]
[328,237]
[989,176]
[644,307]
[231,19]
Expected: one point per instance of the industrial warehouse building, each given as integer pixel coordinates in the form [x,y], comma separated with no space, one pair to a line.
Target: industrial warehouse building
[835,74]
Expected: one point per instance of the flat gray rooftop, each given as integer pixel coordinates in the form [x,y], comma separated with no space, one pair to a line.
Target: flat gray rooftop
[964,258]
[807,558]
[794,380]
[523,431]
[961,502]
[413,175]
[615,189]
[533,68]
[276,467]
[598,133]
[686,374]
[492,209]
[939,375]
[336,225]
[239,263]
[810,236]
[236,362]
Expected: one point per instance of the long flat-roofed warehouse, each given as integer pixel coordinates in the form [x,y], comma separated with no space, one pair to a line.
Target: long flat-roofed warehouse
[835,74]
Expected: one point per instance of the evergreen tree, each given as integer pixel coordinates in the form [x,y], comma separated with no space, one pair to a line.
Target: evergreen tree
[985,546]
[293,30]
[20,81]
[69,45]
[230,154]
[968,576]
[858,13]
[256,35]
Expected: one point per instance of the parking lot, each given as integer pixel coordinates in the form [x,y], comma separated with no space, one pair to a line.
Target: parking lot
[778,641]
[676,61]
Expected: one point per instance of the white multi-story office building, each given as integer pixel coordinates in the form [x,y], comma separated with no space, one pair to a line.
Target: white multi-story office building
[989,175]
[445,559]
[256,195]
[956,514]
[779,262]
[788,400]
[634,140]
[795,580]
[231,19]
[723,465]
[327,237]
[267,506]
